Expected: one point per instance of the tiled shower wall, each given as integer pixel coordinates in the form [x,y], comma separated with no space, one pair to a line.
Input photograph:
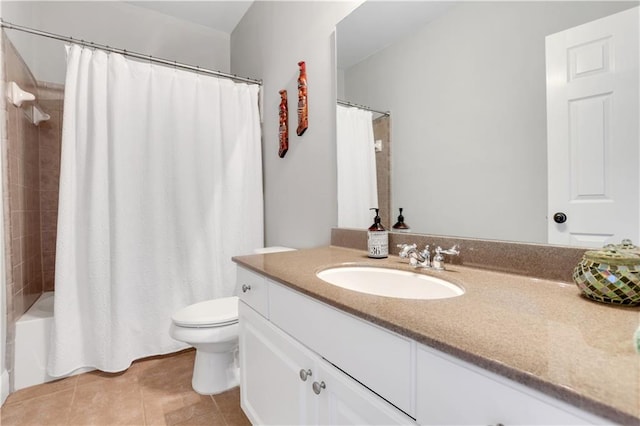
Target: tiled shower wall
[50,98]
[31,172]
[382,132]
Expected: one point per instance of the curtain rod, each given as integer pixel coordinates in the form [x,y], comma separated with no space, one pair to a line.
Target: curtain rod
[10,26]
[364,107]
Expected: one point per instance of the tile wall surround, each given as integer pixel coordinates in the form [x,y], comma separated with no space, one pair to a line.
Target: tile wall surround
[22,206]
[382,132]
[31,162]
[51,99]
[554,263]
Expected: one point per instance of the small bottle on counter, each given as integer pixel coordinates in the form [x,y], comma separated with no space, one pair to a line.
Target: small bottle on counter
[400,226]
[378,239]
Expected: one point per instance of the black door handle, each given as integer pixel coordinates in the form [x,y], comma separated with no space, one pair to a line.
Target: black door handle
[559,217]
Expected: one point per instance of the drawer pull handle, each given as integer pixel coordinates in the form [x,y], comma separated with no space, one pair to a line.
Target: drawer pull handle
[317,387]
[245,288]
[304,374]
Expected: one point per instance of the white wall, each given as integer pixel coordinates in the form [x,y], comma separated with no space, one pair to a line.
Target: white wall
[115,24]
[300,190]
[468,100]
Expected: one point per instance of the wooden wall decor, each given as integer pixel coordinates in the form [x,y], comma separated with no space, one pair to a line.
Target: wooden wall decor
[303,106]
[284,124]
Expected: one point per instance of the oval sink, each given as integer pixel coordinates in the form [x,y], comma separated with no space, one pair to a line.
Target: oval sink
[390,282]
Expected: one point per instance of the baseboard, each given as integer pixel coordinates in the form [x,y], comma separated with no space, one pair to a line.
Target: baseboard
[4,387]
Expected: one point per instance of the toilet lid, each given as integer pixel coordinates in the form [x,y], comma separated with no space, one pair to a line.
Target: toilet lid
[216,312]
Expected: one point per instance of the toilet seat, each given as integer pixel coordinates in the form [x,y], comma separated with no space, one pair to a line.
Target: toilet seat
[210,313]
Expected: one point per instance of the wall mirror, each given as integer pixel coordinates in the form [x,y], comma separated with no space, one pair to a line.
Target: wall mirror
[466,86]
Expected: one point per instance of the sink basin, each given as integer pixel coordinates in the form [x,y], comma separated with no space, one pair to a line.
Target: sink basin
[390,282]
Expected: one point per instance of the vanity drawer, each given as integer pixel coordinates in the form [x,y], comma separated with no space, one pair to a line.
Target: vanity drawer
[377,358]
[253,289]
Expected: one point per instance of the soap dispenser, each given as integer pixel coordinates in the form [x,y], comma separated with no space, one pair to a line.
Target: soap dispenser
[378,238]
[400,226]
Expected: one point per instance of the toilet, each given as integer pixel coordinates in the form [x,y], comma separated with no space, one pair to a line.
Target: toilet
[211,327]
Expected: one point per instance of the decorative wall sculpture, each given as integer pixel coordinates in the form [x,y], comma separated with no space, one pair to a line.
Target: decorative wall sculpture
[303,106]
[284,124]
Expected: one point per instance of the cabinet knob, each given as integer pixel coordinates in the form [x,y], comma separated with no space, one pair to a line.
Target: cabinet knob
[317,387]
[304,374]
[246,288]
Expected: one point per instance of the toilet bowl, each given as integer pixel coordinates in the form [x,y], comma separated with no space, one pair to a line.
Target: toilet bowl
[211,327]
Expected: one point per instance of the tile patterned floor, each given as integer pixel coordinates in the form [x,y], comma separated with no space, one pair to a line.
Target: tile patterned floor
[153,391]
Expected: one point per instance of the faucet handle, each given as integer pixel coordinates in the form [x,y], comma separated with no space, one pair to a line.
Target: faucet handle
[454,251]
[438,260]
[406,246]
[404,249]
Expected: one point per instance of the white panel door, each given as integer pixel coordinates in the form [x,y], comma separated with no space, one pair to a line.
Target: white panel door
[593,138]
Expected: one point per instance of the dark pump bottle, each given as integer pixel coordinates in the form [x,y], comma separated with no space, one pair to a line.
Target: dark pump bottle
[378,239]
[400,226]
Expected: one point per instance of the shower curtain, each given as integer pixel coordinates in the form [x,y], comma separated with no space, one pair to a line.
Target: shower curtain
[160,184]
[357,181]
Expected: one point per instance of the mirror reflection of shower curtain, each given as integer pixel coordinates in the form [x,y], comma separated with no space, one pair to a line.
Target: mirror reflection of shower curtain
[160,184]
[357,182]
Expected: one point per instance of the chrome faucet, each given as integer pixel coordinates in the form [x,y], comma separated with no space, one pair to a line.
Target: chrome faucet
[416,258]
[423,258]
[438,259]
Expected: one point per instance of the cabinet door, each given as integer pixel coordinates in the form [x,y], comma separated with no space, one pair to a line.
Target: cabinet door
[453,392]
[343,401]
[357,347]
[271,390]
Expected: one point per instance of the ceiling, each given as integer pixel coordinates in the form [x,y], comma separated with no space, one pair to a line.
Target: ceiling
[219,15]
[377,24]
[368,29]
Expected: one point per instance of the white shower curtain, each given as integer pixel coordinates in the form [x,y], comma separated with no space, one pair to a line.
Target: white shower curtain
[357,182]
[161,183]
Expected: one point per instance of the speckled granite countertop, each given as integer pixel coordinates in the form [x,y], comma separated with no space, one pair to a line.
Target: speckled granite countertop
[540,333]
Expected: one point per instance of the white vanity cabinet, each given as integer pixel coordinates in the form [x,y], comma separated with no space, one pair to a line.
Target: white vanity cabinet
[283,382]
[364,374]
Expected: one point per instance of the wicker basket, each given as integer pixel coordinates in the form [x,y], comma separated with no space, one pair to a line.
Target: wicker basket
[611,275]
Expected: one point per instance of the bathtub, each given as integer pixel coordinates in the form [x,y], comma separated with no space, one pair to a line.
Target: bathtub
[32,344]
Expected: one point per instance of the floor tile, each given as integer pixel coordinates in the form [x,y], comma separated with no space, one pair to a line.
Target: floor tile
[229,400]
[51,409]
[236,418]
[209,419]
[108,401]
[153,391]
[204,406]
[43,389]
[229,404]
